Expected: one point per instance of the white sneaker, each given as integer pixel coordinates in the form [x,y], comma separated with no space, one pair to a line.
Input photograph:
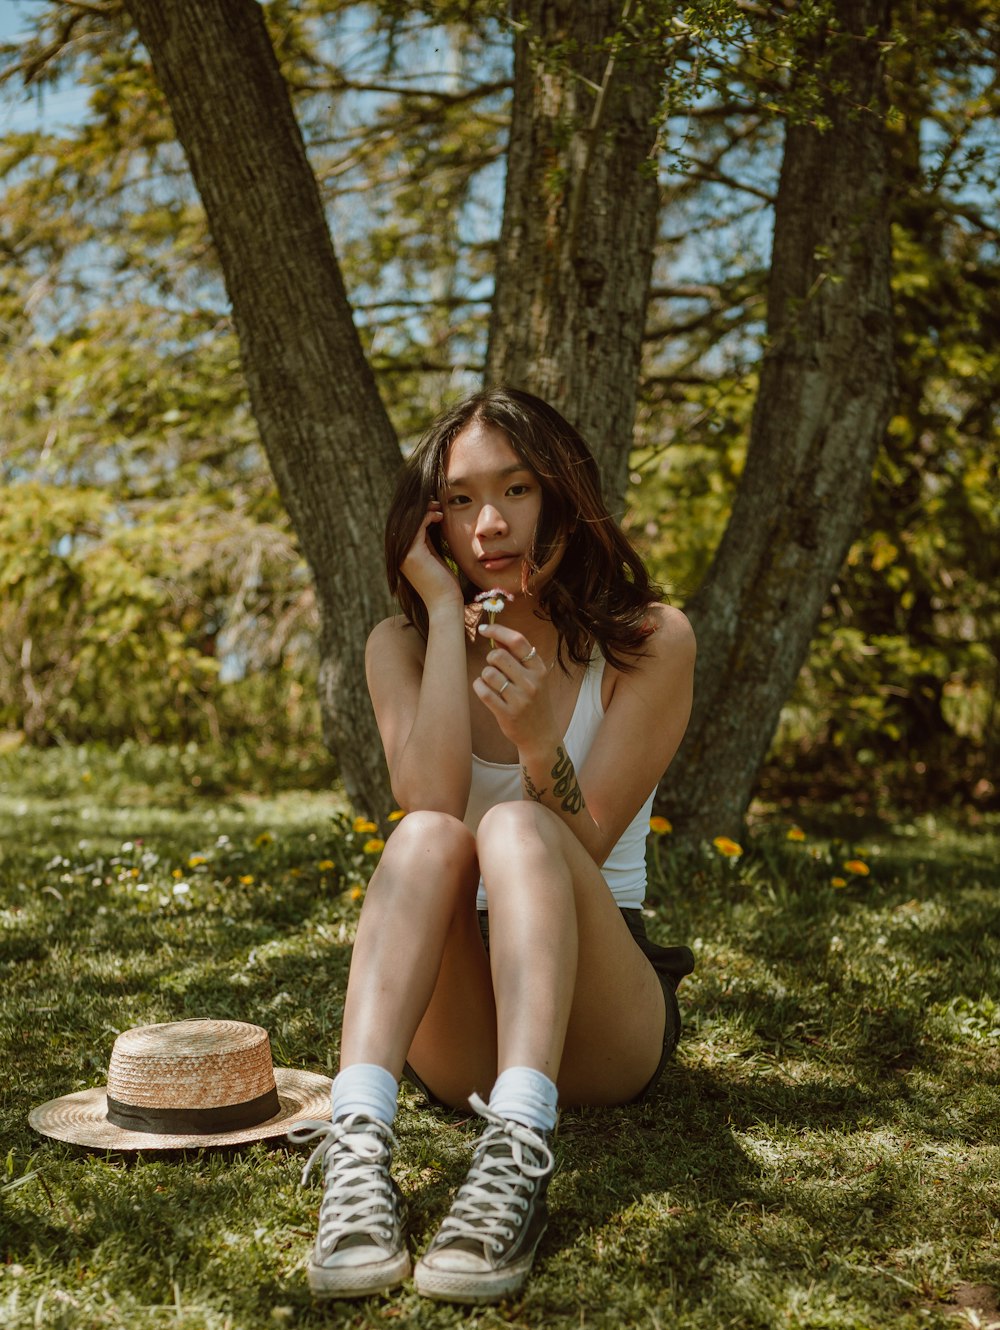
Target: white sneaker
[359,1248]
[485,1248]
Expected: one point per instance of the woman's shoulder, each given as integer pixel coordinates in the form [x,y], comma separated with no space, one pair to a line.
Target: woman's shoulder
[395,636]
[669,631]
[664,660]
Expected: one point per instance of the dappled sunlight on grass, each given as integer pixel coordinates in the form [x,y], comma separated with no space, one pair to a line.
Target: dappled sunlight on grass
[822,1152]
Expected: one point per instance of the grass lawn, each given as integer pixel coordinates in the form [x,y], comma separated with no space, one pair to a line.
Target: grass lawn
[824,1152]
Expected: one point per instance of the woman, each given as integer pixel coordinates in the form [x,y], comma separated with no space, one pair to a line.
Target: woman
[500,947]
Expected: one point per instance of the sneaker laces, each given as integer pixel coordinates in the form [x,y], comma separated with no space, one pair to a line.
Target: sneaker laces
[358,1195]
[491,1203]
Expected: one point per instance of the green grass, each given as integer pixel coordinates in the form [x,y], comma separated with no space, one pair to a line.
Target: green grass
[824,1152]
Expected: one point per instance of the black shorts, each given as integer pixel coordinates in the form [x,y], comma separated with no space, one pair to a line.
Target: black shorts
[671,965]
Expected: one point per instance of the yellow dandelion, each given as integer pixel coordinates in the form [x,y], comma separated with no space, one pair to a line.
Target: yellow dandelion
[373,846]
[857,866]
[265,838]
[196,859]
[357,892]
[727,847]
[396,814]
[325,865]
[178,873]
[363,825]
[838,881]
[661,825]
[795,833]
[247,880]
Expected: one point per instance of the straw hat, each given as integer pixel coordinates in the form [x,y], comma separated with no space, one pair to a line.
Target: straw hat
[187,1084]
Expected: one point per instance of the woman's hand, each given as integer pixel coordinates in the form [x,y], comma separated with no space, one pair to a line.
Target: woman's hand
[514,687]
[426,571]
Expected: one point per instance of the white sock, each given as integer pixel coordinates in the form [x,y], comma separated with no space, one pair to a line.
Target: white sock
[366,1088]
[527,1096]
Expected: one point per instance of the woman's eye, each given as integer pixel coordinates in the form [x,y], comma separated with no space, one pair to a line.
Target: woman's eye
[456,500]
[517,490]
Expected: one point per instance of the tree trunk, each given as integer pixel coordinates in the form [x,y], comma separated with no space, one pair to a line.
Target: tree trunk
[326,433]
[576,247]
[826,394]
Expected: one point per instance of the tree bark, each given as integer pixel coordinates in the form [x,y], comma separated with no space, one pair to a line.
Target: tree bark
[576,246]
[826,393]
[327,436]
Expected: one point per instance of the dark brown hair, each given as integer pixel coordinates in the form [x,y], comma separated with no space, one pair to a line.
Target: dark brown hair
[600,590]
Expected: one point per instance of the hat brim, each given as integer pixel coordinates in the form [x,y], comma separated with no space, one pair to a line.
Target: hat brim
[81,1118]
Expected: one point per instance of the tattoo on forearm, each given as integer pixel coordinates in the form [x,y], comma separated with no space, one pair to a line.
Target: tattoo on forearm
[531,790]
[566,786]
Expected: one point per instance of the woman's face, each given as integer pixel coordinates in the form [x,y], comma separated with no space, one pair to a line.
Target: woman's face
[492,505]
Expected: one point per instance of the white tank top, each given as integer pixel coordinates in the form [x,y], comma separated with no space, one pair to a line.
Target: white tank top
[500,782]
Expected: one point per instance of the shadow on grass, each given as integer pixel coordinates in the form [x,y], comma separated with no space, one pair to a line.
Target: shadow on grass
[867,978]
[833,1038]
[160,1221]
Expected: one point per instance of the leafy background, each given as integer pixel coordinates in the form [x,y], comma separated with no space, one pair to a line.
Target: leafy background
[150,585]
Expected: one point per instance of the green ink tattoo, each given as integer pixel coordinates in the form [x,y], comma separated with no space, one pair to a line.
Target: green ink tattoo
[530,788]
[566,786]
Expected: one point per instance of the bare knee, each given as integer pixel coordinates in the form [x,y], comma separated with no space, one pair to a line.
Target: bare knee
[522,823]
[521,849]
[433,843]
[429,832]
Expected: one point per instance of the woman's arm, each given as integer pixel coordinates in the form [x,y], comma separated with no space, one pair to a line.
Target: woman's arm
[420,691]
[641,730]
[421,705]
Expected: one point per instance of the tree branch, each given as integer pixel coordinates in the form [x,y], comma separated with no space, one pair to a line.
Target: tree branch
[342,84]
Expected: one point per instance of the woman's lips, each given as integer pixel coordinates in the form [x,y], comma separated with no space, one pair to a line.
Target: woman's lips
[494,563]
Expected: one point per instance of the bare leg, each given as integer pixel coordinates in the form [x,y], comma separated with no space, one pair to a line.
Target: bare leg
[575,997]
[576,1000]
[485,1247]
[428,871]
[533,934]
[419,907]
[569,988]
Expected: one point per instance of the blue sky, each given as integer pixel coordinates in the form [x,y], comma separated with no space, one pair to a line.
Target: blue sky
[51,108]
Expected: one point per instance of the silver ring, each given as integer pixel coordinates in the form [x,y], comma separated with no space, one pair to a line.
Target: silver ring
[530,656]
[505,684]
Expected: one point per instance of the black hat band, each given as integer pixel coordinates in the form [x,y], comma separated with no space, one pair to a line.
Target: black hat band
[195,1121]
